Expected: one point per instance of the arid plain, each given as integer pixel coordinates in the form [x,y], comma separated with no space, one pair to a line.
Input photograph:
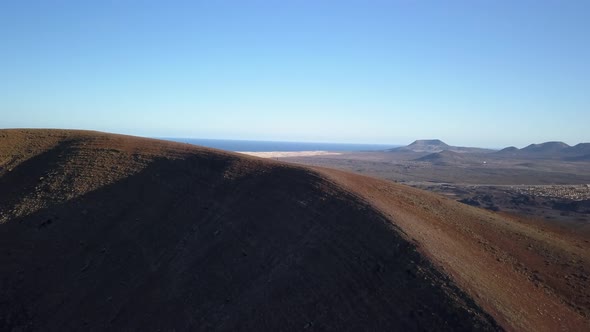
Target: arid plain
[547,182]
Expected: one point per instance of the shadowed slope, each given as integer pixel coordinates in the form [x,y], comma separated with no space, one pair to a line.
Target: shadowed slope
[108,232]
[528,277]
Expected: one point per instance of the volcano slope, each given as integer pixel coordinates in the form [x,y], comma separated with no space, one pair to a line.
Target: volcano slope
[111,232]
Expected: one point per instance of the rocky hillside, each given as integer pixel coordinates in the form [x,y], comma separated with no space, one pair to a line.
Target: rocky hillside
[105,232]
[109,232]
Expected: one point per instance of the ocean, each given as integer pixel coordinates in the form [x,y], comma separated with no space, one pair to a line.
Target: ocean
[271,146]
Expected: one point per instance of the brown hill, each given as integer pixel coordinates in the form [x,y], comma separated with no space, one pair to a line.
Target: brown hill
[111,232]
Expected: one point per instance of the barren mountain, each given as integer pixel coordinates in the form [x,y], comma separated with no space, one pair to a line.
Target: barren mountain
[547,147]
[111,232]
[425,145]
[578,152]
[580,149]
[548,150]
[511,150]
[436,145]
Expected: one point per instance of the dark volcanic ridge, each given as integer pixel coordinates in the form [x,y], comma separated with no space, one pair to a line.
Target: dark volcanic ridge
[104,232]
[547,150]
[112,232]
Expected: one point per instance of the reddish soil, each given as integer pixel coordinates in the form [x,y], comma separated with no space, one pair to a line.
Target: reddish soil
[526,275]
[112,232]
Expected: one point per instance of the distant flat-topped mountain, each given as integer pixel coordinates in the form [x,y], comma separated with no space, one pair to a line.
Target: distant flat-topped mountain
[428,145]
[434,146]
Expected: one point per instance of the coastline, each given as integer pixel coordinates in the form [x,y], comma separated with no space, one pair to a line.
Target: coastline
[287,154]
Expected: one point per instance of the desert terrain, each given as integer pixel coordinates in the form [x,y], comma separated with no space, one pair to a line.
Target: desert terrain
[110,232]
[548,182]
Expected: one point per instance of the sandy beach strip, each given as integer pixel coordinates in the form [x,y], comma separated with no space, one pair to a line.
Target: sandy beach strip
[287,154]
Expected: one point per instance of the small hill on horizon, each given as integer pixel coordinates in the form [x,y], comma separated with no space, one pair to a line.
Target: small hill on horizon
[547,147]
[546,150]
[444,158]
[579,149]
[510,151]
[549,150]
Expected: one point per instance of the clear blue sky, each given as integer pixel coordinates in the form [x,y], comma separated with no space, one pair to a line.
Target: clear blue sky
[480,72]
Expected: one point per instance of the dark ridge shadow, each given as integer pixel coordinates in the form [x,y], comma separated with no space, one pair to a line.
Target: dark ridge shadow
[185,246]
[25,176]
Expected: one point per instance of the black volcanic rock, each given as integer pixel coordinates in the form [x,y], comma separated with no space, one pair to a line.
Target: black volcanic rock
[104,232]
